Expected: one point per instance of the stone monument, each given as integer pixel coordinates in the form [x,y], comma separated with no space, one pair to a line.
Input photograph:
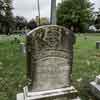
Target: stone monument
[49,64]
[95,87]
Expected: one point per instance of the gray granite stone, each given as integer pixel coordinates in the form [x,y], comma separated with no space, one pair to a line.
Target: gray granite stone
[95,86]
[20,96]
[95,89]
[69,93]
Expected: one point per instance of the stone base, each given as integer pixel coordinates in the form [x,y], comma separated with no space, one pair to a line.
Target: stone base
[69,93]
[95,89]
[20,96]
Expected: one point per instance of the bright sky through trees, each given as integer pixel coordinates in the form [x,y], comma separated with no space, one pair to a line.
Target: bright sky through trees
[28,8]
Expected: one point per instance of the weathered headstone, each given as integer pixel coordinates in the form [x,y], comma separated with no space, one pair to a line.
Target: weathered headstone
[50,52]
[49,64]
[95,87]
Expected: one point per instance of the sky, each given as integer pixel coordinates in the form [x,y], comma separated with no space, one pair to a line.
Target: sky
[28,8]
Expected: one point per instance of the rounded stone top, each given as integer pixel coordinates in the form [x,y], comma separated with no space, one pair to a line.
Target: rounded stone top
[52,34]
[51,27]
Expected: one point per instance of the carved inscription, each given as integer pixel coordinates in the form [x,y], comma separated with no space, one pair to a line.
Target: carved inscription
[50,53]
[53,71]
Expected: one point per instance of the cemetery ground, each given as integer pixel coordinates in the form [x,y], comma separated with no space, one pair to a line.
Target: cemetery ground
[13,65]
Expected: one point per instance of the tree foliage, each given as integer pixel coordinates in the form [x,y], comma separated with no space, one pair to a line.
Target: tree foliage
[1,7]
[20,22]
[43,21]
[6,15]
[32,24]
[8,8]
[76,13]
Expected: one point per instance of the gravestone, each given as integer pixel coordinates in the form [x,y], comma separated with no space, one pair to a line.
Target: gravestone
[23,48]
[49,64]
[95,87]
[97,44]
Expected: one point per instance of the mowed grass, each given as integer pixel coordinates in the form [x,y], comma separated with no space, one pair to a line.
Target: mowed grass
[13,65]
[86,63]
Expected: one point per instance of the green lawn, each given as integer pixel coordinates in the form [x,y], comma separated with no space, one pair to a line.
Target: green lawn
[13,65]
[86,63]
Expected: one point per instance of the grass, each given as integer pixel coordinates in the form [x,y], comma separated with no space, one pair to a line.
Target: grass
[12,68]
[86,63]
[13,65]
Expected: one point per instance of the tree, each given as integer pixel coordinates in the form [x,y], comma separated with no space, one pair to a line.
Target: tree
[74,14]
[6,16]
[20,22]
[32,24]
[1,14]
[43,20]
[9,20]
[97,22]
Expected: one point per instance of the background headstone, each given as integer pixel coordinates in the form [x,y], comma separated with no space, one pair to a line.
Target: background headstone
[97,44]
[23,48]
